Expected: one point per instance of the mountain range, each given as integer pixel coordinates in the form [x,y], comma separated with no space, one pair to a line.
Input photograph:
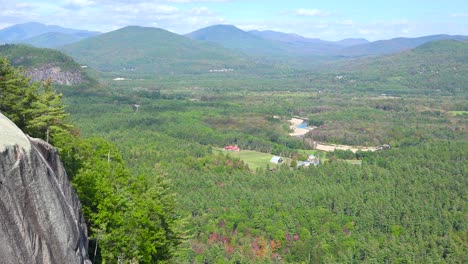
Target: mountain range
[259,43]
[278,43]
[44,36]
[270,42]
[419,62]
[153,50]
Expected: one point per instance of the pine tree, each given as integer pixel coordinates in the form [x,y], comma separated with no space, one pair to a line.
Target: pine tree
[47,114]
[16,93]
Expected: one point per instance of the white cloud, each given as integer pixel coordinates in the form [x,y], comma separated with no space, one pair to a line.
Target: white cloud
[165,9]
[195,19]
[201,11]
[4,25]
[368,31]
[459,15]
[107,16]
[312,12]
[348,22]
[406,30]
[196,1]
[79,3]
[322,26]
[13,12]
[141,10]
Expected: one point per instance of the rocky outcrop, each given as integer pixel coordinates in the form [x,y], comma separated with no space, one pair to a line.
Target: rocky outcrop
[55,74]
[40,214]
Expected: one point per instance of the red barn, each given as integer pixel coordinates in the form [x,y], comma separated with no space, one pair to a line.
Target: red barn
[232,148]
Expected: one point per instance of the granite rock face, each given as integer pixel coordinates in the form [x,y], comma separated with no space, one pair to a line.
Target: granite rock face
[55,74]
[40,214]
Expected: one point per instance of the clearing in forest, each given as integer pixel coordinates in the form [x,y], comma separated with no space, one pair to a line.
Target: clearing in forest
[254,159]
[458,113]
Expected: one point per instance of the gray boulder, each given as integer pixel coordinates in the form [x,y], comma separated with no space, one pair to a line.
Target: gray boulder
[40,214]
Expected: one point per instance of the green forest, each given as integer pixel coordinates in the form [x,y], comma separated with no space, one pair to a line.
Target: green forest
[145,156]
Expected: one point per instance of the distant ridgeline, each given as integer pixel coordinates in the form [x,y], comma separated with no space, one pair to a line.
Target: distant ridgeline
[41,64]
[438,66]
[277,43]
[42,36]
[153,50]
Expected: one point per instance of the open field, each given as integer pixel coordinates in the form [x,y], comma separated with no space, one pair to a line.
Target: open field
[254,159]
[458,113]
[354,162]
[331,147]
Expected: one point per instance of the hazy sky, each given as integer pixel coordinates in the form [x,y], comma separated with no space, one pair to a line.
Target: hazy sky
[325,19]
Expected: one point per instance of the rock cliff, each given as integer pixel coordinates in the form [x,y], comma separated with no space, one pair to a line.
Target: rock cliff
[55,74]
[40,214]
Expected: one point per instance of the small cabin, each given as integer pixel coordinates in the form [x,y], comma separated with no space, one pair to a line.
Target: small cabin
[313,160]
[232,148]
[276,160]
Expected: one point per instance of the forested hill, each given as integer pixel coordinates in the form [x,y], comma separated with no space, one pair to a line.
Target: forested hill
[51,40]
[382,47]
[438,66]
[42,64]
[291,38]
[153,50]
[234,38]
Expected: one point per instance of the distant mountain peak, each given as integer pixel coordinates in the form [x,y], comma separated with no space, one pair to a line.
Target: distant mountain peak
[141,28]
[223,26]
[233,38]
[152,50]
[22,33]
[217,29]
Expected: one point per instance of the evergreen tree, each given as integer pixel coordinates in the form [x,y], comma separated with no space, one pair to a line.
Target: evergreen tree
[131,219]
[37,110]
[16,93]
[47,114]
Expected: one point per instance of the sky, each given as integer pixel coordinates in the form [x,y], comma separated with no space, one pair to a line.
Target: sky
[324,19]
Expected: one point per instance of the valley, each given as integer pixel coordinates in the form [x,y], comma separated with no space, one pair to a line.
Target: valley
[237,202]
[157,114]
